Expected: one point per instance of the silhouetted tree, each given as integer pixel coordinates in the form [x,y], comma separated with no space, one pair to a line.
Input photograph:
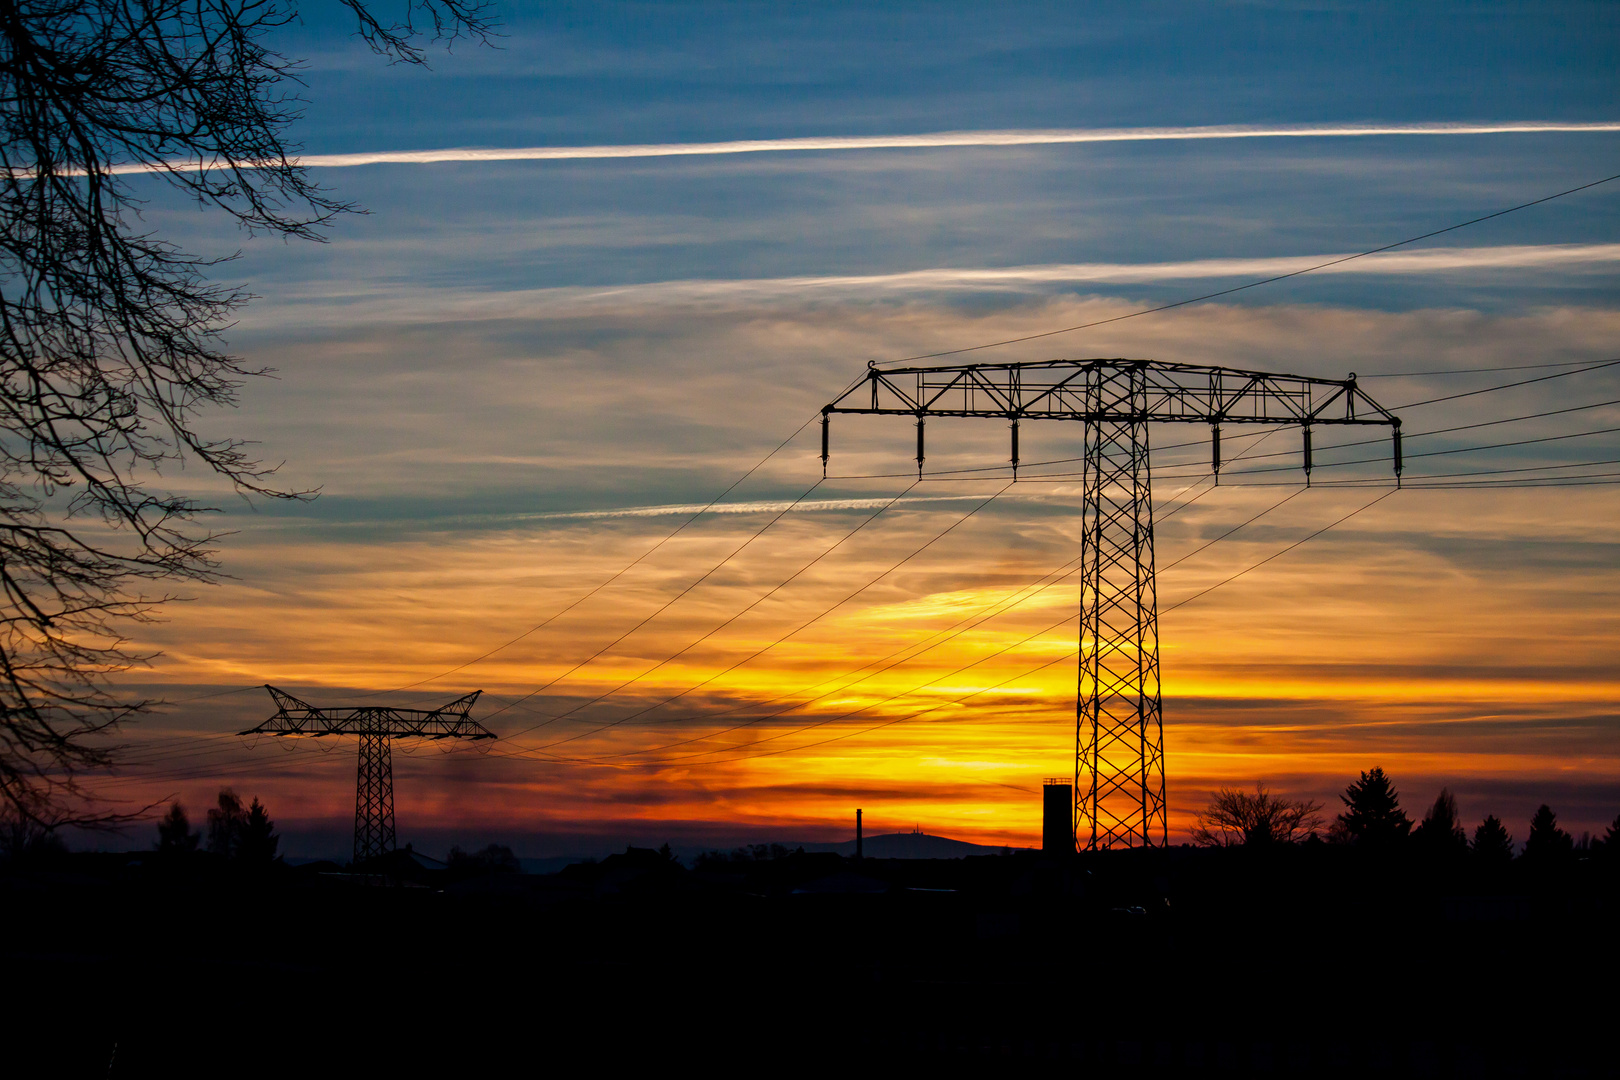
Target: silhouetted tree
[494,859]
[1441,835]
[225,823]
[257,840]
[1492,844]
[1373,816]
[109,337]
[1607,846]
[1547,843]
[174,832]
[748,853]
[24,838]
[1235,817]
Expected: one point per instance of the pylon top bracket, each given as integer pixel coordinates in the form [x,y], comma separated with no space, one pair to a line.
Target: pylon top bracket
[295,717]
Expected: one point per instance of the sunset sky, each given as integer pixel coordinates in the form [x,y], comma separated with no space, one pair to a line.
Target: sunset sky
[522,370]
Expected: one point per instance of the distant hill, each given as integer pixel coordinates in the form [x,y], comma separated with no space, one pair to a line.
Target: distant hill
[912,845]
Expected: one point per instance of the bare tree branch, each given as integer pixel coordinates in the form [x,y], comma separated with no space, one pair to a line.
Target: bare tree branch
[1235,817]
[110,341]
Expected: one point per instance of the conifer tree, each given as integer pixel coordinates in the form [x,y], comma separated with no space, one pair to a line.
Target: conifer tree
[174,832]
[1547,842]
[1607,846]
[257,841]
[1492,843]
[1373,816]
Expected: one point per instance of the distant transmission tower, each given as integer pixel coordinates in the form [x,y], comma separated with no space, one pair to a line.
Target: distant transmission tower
[376,725]
[1119,791]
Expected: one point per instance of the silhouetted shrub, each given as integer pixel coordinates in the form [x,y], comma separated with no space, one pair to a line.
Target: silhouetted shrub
[1236,817]
[1441,835]
[1492,844]
[174,832]
[1373,816]
[1547,843]
[25,839]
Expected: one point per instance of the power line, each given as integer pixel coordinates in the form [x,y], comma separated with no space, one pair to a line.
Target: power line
[628,567]
[1172,607]
[1444,431]
[1529,482]
[1470,371]
[204,752]
[802,626]
[966,697]
[1440,453]
[1063,621]
[671,601]
[665,606]
[1041,584]
[693,644]
[1067,618]
[1254,284]
[1507,386]
[1525,482]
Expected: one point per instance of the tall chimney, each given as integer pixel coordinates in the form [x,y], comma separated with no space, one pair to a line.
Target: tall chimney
[857,834]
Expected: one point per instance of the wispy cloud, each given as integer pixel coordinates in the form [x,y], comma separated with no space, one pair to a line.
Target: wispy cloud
[938,139]
[437,304]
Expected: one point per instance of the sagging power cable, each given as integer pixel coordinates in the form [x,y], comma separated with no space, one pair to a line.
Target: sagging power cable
[1255,284]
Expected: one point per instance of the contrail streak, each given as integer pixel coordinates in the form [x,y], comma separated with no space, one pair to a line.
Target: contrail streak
[1033,137]
[756,507]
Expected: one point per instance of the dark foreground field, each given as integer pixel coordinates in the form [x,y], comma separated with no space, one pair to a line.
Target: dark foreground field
[1298,961]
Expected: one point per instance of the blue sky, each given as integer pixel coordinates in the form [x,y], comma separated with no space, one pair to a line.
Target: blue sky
[662,73]
[499,343]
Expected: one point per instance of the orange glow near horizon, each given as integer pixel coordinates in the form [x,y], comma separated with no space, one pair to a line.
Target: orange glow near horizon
[927,738]
[1456,638]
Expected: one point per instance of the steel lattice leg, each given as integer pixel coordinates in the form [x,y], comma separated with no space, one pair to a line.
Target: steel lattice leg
[1119,740]
[374,800]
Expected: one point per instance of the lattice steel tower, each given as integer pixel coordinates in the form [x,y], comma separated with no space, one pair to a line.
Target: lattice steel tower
[376,725]
[1119,789]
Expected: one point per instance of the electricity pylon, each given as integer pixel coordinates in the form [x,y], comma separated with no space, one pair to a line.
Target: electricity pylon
[376,725]
[1119,792]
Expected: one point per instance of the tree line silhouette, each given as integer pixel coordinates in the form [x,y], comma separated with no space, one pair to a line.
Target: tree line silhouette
[243,834]
[1373,819]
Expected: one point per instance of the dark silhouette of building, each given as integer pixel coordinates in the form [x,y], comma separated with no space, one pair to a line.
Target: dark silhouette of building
[1057,817]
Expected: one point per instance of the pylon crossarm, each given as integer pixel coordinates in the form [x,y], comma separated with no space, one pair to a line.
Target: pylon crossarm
[295,717]
[376,726]
[1089,390]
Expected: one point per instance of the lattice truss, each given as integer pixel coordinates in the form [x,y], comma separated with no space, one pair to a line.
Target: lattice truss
[376,726]
[1119,788]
